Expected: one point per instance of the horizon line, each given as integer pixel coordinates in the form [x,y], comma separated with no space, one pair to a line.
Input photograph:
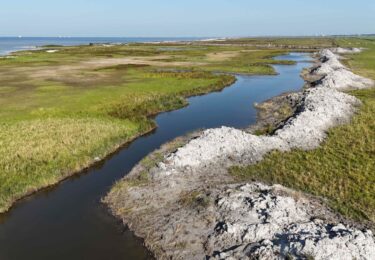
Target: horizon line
[215,37]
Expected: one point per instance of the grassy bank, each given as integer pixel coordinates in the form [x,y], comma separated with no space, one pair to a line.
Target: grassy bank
[343,168]
[61,111]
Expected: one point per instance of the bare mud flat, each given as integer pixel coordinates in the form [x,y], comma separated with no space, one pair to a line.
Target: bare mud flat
[189,207]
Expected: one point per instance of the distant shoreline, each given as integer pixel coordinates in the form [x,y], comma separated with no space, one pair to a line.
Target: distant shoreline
[9,44]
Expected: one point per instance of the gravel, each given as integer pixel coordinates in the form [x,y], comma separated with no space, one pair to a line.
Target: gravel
[255,221]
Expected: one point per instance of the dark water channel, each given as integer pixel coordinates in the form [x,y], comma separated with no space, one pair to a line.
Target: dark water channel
[67,221]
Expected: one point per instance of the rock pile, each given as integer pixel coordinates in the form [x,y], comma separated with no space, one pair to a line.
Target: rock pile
[188,211]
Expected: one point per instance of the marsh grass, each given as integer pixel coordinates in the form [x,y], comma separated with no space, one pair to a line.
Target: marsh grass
[295,42]
[39,152]
[49,144]
[343,168]
[141,179]
[249,62]
[59,111]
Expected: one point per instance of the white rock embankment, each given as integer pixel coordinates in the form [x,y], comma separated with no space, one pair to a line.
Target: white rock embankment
[322,107]
[340,50]
[244,221]
[255,221]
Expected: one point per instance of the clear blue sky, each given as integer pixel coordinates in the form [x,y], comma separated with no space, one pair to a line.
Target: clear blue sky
[185,17]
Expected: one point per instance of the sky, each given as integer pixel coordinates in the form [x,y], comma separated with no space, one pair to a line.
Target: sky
[179,18]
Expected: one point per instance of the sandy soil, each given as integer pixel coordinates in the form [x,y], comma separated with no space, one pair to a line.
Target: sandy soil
[75,71]
[224,55]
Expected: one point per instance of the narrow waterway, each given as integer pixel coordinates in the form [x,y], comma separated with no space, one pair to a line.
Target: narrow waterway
[69,222]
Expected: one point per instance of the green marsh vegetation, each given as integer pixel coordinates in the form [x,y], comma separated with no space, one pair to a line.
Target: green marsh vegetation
[61,111]
[343,168]
[293,42]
